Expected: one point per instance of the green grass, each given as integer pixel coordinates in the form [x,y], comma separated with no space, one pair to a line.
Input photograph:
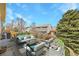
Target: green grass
[60,42]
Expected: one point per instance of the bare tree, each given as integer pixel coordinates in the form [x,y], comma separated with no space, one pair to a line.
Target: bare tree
[21,24]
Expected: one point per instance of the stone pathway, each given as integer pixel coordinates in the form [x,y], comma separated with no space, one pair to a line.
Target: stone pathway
[49,52]
[53,52]
[71,51]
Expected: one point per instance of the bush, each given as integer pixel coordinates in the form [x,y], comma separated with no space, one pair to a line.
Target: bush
[22,33]
[0,37]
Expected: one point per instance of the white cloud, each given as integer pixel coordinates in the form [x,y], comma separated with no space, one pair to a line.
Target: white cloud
[10,13]
[73,6]
[30,17]
[18,4]
[44,12]
[25,7]
[10,4]
[65,7]
[18,15]
[22,6]
[53,6]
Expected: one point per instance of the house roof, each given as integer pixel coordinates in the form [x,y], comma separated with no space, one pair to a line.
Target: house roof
[39,26]
[53,30]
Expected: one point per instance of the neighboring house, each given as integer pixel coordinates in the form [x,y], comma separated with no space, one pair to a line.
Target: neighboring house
[52,32]
[28,29]
[45,28]
[44,31]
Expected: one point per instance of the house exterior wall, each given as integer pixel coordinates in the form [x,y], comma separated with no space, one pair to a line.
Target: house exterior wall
[2,15]
[42,29]
[0,26]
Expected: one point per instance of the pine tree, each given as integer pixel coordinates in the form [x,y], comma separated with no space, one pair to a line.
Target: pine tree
[68,29]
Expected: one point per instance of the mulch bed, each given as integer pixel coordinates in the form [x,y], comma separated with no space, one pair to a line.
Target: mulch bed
[2,50]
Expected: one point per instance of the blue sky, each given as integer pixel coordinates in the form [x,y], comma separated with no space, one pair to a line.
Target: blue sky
[40,13]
